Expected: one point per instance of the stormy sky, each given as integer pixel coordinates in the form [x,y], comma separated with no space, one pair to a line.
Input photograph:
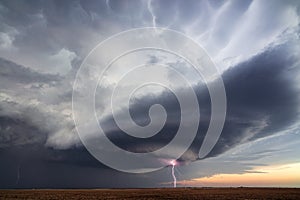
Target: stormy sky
[254,44]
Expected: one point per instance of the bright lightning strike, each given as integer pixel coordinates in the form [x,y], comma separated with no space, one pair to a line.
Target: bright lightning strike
[173,163]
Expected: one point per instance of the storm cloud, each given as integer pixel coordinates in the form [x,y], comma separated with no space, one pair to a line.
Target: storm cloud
[262,100]
[255,45]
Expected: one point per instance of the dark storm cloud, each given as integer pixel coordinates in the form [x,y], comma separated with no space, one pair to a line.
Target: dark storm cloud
[262,100]
[18,132]
[38,144]
[35,166]
[139,111]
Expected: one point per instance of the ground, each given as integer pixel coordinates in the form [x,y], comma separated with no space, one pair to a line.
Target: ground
[162,193]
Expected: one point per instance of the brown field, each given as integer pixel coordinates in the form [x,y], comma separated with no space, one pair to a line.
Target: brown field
[163,193]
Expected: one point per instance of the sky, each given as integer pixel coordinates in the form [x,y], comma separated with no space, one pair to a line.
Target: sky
[254,45]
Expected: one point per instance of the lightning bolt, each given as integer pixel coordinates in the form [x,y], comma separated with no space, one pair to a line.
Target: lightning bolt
[150,9]
[173,163]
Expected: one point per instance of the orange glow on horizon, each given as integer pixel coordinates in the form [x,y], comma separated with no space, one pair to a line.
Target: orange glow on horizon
[273,176]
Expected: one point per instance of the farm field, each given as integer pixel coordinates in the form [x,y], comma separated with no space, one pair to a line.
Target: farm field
[158,193]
